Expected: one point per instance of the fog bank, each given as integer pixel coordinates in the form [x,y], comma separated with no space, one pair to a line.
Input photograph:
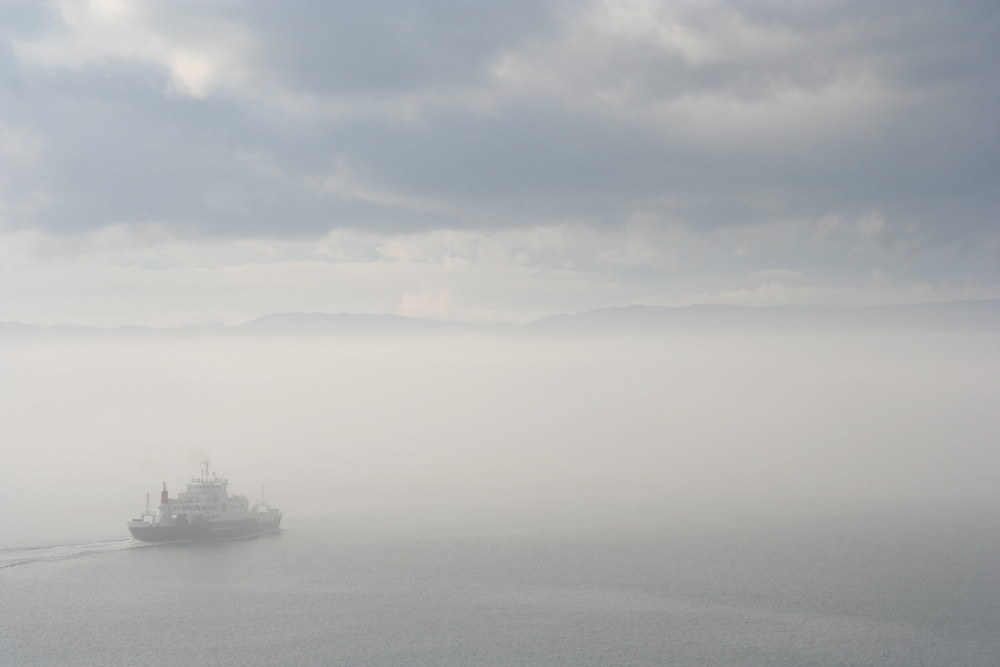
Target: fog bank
[452,423]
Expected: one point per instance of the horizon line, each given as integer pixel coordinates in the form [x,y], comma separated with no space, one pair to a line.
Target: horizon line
[786,306]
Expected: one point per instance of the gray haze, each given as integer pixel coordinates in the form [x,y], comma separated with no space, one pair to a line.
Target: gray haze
[692,424]
[183,164]
[164,163]
[561,331]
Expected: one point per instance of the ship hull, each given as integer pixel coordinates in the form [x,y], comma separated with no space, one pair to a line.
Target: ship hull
[215,530]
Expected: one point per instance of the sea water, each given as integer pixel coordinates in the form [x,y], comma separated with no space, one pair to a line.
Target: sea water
[850,588]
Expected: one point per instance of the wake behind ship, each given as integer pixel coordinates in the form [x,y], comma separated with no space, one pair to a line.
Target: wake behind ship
[205,511]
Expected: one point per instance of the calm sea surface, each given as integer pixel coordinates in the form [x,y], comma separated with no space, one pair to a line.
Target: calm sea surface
[851,589]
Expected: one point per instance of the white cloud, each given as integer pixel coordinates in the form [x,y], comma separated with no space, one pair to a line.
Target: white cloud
[435,304]
[142,274]
[198,59]
[633,52]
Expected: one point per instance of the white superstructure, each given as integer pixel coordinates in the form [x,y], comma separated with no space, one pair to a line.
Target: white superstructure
[205,509]
[206,499]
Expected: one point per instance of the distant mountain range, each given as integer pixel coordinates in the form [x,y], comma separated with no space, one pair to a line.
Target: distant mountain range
[946,315]
[942,315]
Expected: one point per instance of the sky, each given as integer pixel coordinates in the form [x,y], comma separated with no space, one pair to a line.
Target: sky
[166,163]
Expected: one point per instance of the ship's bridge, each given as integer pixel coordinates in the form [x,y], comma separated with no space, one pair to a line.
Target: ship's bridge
[206,500]
[215,486]
[207,488]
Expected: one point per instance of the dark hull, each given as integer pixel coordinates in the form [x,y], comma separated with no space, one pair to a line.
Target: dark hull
[216,530]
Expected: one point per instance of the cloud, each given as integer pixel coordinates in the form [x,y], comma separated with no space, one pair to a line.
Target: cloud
[663,143]
[198,57]
[736,111]
[146,274]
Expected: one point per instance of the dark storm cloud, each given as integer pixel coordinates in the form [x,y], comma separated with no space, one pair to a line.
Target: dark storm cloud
[714,115]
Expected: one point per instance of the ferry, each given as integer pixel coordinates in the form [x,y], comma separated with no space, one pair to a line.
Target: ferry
[205,511]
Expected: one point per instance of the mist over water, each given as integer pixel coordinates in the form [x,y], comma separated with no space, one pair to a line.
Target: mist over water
[618,332]
[725,498]
[690,425]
